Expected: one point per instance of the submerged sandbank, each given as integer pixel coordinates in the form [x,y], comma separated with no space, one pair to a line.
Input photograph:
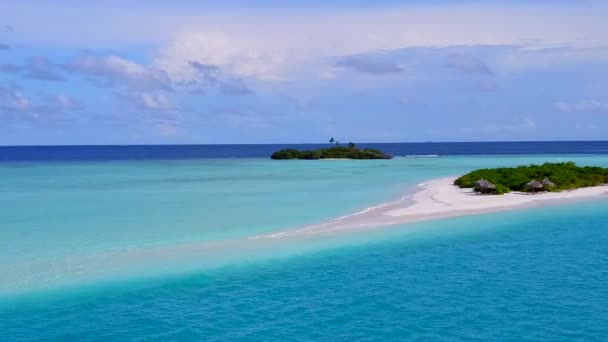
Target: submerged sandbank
[433,200]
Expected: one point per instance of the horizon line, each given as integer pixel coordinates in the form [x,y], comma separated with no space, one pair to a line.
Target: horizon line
[306,143]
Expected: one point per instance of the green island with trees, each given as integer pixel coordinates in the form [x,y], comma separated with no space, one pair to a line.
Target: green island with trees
[534,178]
[335,152]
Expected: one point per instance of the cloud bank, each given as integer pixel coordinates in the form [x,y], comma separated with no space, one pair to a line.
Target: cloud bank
[253,74]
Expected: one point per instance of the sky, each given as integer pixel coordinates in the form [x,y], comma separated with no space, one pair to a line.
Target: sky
[272,71]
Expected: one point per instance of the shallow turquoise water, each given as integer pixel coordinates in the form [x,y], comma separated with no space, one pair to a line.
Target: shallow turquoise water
[74,237]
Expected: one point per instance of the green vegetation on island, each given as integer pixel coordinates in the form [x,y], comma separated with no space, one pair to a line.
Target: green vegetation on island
[534,178]
[337,152]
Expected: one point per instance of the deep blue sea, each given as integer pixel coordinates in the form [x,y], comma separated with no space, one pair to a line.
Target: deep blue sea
[152,152]
[161,243]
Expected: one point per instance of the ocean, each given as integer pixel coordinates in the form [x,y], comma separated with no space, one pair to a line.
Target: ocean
[187,243]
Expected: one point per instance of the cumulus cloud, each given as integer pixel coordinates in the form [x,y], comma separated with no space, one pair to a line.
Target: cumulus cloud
[206,74]
[35,68]
[41,68]
[524,123]
[582,106]
[66,102]
[204,68]
[13,99]
[523,59]
[234,86]
[287,46]
[156,102]
[232,52]
[369,65]
[267,44]
[462,23]
[209,75]
[167,129]
[154,110]
[467,63]
[514,126]
[116,71]
[142,83]
[150,101]
[18,107]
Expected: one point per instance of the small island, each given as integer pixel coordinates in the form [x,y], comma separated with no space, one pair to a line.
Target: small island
[552,177]
[336,152]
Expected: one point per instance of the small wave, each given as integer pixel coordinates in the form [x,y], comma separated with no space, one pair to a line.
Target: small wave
[423,155]
[364,211]
[275,235]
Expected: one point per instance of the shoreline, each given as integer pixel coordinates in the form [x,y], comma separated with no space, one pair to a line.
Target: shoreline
[440,199]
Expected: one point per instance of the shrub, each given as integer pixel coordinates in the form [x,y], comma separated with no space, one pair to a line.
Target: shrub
[564,175]
[350,152]
[286,154]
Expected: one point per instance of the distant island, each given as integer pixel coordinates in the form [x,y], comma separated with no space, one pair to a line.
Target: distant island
[534,178]
[336,152]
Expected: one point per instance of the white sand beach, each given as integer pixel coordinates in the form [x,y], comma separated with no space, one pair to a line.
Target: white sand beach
[442,197]
[439,199]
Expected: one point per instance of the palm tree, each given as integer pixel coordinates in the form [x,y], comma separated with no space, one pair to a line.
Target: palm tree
[332,140]
[351,145]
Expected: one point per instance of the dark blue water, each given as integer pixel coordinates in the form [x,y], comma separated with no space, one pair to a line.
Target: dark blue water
[147,152]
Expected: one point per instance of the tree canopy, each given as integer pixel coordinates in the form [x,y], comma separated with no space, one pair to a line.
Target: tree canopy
[564,176]
[350,152]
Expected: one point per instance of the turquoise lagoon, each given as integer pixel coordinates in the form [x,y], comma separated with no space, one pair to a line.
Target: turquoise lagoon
[170,250]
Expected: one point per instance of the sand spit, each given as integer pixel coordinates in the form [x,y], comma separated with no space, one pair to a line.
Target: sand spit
[439,199]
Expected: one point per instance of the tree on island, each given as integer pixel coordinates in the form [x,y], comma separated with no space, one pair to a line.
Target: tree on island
[332,140]
[352,152]
[556,177]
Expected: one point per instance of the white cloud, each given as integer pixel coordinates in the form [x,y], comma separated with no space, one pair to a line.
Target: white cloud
[151,101]
[167,129]
[34,68]
[467,63]
[113,70]
[18,107]
[582,106]
[66,102]
[279,46]
[369,65]
[280,42]
[549,58]
[13,99]
[514,126]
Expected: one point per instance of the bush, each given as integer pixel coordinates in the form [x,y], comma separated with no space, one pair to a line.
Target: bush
[564,175]
[333,152]
[501,189]
[286,154]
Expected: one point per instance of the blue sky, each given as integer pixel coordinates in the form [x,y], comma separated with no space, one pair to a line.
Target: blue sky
[121,72]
